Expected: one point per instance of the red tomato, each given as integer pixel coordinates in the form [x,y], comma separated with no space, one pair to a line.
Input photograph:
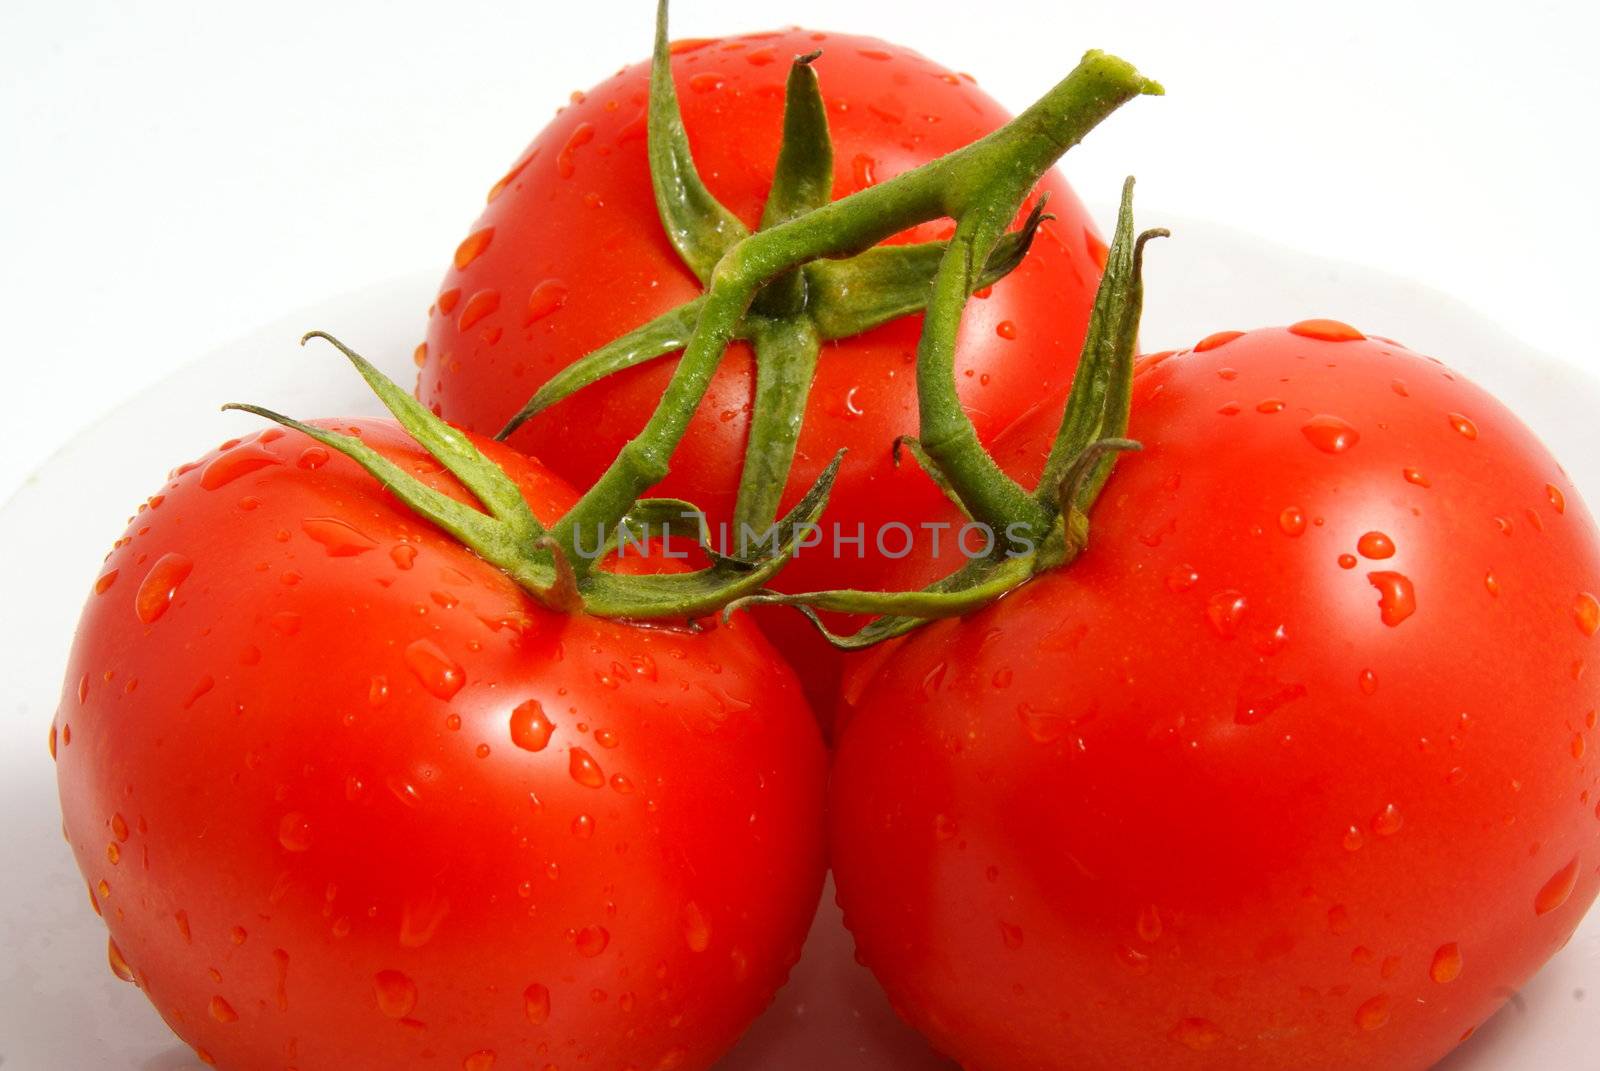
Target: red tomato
[570,254]
[348,798]
[1295,767]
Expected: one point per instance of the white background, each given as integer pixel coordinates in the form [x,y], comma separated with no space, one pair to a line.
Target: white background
[175,174]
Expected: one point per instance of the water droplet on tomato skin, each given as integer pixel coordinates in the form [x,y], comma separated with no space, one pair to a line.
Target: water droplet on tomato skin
[1330,434]
[536,1004]
[1292,521]
[1463,425]
[1373,1014]
[237,462]
[1353,840]
[396,994]
[530,728]
[106,579]
[1415,477]
[482,1060]
[1224,611]
[1586,613]
[338,538]
[160,586]
[545,299]
[1220,338]
[1558,890]
[1446,965]
[437,672]
[1196,1034]
[696,929]
[591,941]
[566,160]
[1397,597]
[1260,699]
[1387,822]
[1006,330]
[1326,331]
[584,770]
[119,963]
[1558,501]
[294,832]
[222,1011]
[472,247]
[1010,935]
[480,305]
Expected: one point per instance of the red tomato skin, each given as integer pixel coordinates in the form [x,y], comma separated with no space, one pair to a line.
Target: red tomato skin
[320,841]
[577,221]
[1191,803]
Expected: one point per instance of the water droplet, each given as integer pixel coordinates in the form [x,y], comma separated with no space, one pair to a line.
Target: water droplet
[592,940]
[448,300]
[294,832]
[696,930]
[1330,434]
[1258,699]
[1415,477]
[1224,611]
[1373,1014]
[440,674]
[536,1003]
[1270,405]
[584,770]
[864,168]
[1558,890]
[1353,840]
[103,584]
[546,298]
[1326,331]
[1558,501]
[1131,958]
[1367,682]
[1375,545]
[482,1060]
[396,993]
[182,919]
[1043,726]
[1491,583]
[1463,425]
[1011,936]
[1387,822]
[1220,338]
[472,247]
[1397,598]
[222,1011]
[1006,330]
[234,464]
[1586,612]
[1446,966]
[339,539]
[478,306]
[118,962]
[566,160]
[160,586]
[1292,521]
[530,728]
[1182,578]
[1196,1034]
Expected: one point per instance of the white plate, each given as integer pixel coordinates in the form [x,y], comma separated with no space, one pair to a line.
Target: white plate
[60,1008]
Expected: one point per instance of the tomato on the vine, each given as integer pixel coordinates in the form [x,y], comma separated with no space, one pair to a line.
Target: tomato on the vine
[570,254]
[1295,766]
[348,797]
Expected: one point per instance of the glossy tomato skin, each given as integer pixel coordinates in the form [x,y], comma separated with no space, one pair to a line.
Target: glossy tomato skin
[570,254]
[347,797]
[1248,786]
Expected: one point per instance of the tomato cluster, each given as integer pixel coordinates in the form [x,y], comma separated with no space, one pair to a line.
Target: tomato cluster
[1278,751]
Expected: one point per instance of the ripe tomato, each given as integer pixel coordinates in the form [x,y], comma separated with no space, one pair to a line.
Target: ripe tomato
[1294,767]
[348,798]
[570,254]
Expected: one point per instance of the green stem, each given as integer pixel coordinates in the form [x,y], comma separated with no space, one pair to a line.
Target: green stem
[986,171]
[786,363]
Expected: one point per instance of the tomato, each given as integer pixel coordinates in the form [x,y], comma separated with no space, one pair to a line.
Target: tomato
[1296,766]
[570,254]
[348,798]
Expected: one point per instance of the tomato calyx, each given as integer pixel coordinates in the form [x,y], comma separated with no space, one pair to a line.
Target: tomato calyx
[1031,531]
[506,534]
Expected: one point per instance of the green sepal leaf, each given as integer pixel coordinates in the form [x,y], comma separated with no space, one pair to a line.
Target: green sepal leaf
[697,224]
[667,333]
